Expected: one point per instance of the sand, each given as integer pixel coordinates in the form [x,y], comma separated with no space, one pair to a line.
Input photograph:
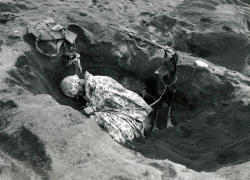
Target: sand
[43,134]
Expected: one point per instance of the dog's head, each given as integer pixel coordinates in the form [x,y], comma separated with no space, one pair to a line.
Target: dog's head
[167,69]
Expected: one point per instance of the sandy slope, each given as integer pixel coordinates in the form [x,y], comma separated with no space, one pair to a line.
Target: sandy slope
[41,138]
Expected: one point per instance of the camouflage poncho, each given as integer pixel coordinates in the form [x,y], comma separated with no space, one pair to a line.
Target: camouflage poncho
[118,110]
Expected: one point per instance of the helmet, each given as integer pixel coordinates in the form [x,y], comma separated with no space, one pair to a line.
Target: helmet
[69,85]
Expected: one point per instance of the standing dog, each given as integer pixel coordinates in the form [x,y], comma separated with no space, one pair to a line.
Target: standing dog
[166,87]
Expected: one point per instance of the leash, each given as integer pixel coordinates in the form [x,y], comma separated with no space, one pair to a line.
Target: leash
[180,152]
[202,154]
[155,102]
[164,91]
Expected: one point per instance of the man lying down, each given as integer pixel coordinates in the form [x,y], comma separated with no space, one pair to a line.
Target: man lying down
[121,112]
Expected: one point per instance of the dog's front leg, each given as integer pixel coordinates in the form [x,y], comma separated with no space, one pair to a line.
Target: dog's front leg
[155,127]
[169,119]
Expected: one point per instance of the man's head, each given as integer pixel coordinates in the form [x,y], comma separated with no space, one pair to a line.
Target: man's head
[72,85]
[168,68]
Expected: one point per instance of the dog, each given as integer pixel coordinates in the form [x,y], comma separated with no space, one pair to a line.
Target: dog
[166,88]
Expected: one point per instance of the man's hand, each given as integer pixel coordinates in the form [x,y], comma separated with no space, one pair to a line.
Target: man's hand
[88,110]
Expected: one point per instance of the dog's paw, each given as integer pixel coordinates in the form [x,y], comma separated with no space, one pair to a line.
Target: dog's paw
[169,124]
[155,129]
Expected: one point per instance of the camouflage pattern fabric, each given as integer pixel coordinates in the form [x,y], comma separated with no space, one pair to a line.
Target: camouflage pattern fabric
[119,111]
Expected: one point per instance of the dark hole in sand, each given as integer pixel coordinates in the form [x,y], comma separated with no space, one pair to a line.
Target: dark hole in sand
[196,133]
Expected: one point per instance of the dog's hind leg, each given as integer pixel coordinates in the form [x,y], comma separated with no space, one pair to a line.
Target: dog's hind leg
[169,119]
[155,127]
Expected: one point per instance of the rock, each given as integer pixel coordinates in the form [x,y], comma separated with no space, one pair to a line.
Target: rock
[6,17]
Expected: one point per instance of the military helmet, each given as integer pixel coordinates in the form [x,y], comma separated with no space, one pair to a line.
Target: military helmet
[70,85]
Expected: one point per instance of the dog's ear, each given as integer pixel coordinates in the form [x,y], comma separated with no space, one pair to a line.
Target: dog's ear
[175,58]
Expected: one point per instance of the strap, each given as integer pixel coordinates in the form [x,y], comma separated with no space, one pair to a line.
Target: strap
[70,37]
[58,46]
[77,63]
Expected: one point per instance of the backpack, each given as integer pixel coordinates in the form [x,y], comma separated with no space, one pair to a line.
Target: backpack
[51,36]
